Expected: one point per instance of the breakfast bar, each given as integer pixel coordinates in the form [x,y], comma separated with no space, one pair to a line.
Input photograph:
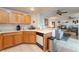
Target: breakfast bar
[45,34]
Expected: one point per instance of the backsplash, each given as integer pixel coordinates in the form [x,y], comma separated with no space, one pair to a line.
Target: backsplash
[12,27]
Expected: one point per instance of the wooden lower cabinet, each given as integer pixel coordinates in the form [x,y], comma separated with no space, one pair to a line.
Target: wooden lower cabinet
[1,42]
[25,37]
[29,37]
[32,37]
[7,41]
[11,39]
[18,38]
[14,38]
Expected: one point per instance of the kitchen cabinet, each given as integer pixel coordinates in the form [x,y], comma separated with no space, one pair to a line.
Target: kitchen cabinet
[12,17]
[7,40]
[19,18]
[18,38]
[27,19]
[14,38]
[15,18]
[11,39]
[25,37]
[30,37]
[4,16]
[1,42]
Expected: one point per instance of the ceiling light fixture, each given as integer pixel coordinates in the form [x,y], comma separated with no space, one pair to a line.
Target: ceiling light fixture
[32,9]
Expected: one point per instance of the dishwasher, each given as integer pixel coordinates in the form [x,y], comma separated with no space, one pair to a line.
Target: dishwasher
[39,39]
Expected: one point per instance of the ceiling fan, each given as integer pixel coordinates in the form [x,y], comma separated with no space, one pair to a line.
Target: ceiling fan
[61,12]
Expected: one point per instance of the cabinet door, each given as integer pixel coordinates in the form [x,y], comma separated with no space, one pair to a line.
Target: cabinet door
[16,17]
[29,37]
[32,37]
[4,16]
[1,42]
[18,38]
[7,40]
[27,19]
[12,17]
[25,37]
[19,18]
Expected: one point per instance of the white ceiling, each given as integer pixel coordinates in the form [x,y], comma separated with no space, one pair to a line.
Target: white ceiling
[70,10]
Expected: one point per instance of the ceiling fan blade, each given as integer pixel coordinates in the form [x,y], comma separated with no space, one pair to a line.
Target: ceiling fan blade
[64,12]
[60,12]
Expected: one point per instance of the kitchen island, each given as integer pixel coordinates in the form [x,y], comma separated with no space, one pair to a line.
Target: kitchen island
[43,41]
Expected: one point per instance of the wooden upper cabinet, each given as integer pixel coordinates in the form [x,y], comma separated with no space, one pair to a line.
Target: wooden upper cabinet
[4,16]
[19,18]
[27,19]
[15,18]
[12,17]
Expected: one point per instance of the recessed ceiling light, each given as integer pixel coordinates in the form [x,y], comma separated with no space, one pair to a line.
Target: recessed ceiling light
[32,9]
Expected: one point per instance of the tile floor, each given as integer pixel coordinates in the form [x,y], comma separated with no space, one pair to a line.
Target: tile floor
[24,48]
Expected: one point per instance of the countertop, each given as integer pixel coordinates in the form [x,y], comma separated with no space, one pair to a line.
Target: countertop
[14,31]
[44,31]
